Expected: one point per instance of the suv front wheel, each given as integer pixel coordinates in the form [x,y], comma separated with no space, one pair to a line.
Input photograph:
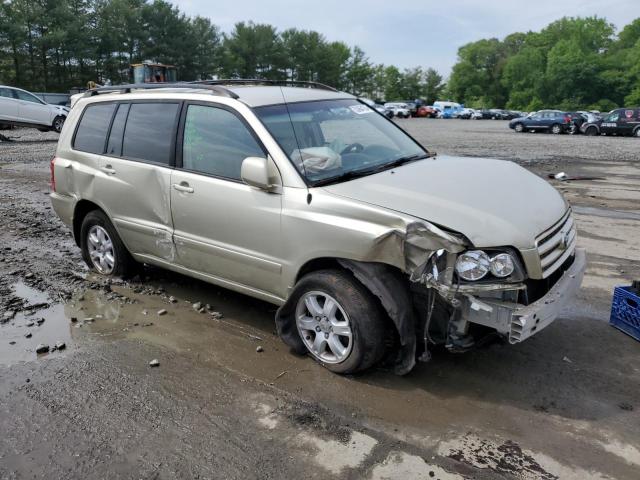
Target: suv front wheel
[339,321]
[102,249]
[58,123]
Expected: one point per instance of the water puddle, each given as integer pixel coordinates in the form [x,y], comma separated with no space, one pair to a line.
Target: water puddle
[39,322]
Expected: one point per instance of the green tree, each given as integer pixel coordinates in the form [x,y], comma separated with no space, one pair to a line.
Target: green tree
[433,86]
[358,74]
[478,72]
[253,51]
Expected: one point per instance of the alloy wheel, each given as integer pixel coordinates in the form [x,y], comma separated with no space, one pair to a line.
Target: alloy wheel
[324,327]
[58,124]
[101,250]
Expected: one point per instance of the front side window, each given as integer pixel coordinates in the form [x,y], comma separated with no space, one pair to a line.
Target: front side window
[216,142]
[334,140]
[149,132]
[5,92]
[27,97]
[92,130]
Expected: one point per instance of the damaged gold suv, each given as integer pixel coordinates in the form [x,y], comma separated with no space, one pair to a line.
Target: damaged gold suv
[309,199]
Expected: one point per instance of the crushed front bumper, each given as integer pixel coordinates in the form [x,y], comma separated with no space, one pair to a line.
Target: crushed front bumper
[519,322]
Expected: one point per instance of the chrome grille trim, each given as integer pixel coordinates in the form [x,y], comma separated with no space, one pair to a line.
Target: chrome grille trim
[556,244]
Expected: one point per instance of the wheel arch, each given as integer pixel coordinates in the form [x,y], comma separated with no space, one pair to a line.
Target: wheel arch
[82,208]
[385,282]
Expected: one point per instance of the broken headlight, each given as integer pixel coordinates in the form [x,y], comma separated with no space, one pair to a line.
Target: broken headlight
[475,265]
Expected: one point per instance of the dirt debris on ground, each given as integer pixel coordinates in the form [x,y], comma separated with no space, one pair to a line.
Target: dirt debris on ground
[215,409]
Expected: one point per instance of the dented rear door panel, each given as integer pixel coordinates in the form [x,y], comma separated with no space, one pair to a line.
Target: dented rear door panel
[137,198]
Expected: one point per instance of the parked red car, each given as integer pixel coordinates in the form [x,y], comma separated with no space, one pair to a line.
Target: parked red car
[426,111]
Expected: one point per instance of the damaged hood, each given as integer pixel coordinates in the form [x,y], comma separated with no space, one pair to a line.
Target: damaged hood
[492,202]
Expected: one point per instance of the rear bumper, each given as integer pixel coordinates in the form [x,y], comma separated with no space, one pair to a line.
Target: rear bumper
[64,206]
[519,322]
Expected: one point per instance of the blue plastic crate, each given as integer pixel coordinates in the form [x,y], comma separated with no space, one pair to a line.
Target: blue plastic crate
[625,311]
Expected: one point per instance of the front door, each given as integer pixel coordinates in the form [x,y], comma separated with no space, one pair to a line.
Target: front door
[223,227]
[610,123]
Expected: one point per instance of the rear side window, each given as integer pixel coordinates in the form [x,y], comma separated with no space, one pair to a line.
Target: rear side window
[149,132]
[27,97]
[5,92]
[114,147]
[91,135]
[216,142]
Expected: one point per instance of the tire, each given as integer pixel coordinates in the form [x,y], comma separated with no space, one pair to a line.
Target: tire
[636,132]
[556,129]
[518,127]
[58,123]
[108,257]
[591,131]
[357,314]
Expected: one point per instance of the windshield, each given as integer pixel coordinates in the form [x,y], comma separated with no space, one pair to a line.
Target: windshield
[336,140]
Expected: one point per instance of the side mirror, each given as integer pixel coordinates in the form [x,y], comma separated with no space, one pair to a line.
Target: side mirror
[255,172]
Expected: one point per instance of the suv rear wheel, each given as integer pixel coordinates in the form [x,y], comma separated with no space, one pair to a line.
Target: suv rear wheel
[339,321]
[102,249]
[556,129]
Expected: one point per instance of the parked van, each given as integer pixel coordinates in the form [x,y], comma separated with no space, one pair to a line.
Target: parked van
[448,109]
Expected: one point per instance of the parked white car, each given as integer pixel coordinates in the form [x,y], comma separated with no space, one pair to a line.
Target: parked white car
[401,110]
[21,108]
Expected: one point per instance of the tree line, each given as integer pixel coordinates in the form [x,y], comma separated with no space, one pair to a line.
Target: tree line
[572,63]
[53,45]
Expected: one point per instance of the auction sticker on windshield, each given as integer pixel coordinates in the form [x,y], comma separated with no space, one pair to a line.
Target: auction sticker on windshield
[360,109]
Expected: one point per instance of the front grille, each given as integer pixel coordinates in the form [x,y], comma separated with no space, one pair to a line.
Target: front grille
[556,244]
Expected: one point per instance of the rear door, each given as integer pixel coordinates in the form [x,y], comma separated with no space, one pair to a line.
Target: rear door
[33,110]
[223,227]
[135,171]
[8,105]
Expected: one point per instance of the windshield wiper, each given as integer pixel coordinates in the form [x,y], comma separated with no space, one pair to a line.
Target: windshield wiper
[369,171]
[343,177]
[407,159]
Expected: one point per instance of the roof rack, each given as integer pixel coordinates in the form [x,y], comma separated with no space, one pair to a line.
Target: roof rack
[261,81]
[214,89]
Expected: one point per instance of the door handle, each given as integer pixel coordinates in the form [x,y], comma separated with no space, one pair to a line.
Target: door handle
[109,170]
[183,187]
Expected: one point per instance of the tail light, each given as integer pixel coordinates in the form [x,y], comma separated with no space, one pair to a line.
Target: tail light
[52,166]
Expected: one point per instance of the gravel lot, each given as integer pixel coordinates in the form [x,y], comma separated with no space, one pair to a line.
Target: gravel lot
[564,404]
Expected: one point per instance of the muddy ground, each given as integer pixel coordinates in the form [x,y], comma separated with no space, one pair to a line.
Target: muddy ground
[564,404]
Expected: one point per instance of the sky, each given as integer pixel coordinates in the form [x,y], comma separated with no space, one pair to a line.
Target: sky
[409,33]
